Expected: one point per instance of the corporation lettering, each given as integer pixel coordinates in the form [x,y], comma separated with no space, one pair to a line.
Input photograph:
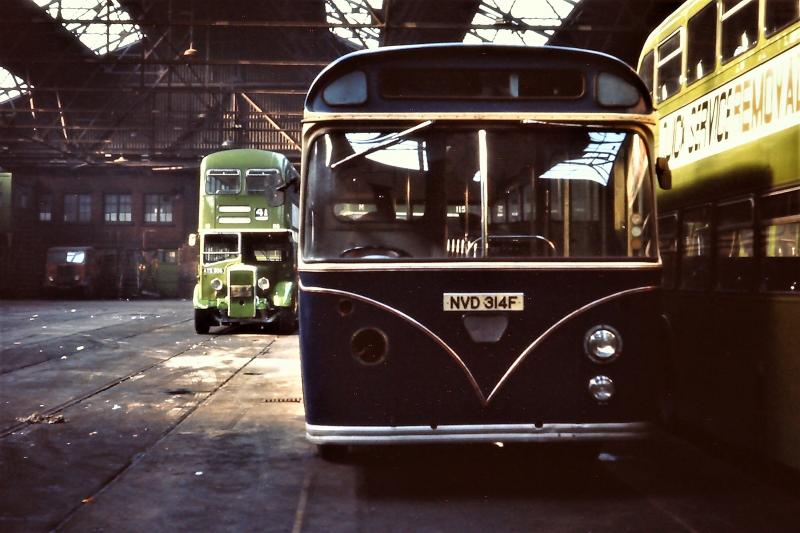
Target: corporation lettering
[757,103]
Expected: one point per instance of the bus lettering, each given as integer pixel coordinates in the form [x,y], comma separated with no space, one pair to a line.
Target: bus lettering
[758,103]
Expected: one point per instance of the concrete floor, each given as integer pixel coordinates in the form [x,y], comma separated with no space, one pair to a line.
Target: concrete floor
[165,430]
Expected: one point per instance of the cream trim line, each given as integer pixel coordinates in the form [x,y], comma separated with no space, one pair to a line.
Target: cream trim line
[409,319]
[475,433]
[477,265]
[577,118]
[452,353]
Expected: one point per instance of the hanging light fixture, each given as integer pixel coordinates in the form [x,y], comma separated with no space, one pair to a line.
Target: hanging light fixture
[191,51]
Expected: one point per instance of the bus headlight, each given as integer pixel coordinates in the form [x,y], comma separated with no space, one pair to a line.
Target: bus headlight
[603,344]
[601,388]
[217,284]
[263,283]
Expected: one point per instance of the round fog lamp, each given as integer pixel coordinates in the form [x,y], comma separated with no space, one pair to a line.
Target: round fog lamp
[369,345]
[603,343]
[601,388]
[263,283]
[216,284]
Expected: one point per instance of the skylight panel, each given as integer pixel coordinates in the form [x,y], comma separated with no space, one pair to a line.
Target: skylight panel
[356,13]
[596,162]
[11,86]
[522,22]
[102,25]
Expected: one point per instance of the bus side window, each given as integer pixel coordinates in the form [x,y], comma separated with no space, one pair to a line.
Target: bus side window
[780,241]
[735,245]
[646,70]
[779,13]
[696,249]
[668,245]
[739,27]
[669,66]
[701,43]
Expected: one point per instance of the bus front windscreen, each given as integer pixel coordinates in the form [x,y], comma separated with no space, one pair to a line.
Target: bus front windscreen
[522,192]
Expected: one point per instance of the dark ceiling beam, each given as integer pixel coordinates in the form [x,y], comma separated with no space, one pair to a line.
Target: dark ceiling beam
[178,61]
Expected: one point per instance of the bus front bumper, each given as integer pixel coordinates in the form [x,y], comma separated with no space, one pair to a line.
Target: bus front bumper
[478,433]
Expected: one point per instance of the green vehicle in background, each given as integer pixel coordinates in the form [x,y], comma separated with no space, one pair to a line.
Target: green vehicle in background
[247,235]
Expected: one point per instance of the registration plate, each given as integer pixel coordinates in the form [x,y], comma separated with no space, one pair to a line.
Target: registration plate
[484,301]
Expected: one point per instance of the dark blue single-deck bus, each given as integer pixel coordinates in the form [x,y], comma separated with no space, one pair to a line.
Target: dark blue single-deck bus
[479,260]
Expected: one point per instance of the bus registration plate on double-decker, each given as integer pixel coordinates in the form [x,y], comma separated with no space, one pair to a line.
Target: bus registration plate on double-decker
[484,301]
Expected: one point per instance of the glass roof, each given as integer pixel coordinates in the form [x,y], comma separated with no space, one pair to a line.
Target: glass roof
[596,162]
[11,86]
[518,21]
[102,25]
[355,12]
[528,22]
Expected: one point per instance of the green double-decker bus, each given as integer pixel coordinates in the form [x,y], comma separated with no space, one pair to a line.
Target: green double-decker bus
[725,76]
[247,233]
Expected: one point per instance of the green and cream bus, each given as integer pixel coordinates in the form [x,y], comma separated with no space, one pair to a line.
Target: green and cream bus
[725,77]
[247,233]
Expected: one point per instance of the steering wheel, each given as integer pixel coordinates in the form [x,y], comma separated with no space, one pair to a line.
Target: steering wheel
[373,252]
[548,242]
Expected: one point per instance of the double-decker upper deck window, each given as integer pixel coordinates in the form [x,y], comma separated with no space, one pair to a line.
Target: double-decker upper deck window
[780,240]
[260,180]
[780,13]
[222,181]
[646,70]
[701,42]
[669,67]
[739,27]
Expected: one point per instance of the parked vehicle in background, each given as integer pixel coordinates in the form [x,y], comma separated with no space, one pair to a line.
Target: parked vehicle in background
[80,271]
[247,236]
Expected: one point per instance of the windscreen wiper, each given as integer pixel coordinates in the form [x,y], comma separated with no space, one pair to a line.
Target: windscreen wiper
[397,138]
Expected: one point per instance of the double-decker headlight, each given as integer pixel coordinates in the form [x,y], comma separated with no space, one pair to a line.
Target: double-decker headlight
[263,283]
[603,344]
[217,284]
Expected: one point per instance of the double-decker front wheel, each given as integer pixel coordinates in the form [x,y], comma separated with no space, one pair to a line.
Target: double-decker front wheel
[202,321]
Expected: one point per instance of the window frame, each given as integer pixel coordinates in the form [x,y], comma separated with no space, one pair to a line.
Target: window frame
[675,281]
[761,224]
[708,283]
[117,211]
[45,198]
[77,208]
[651,76]
[767,33]
[726,15]
[659,62]
[719,227]
[717,31]
[159,213]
